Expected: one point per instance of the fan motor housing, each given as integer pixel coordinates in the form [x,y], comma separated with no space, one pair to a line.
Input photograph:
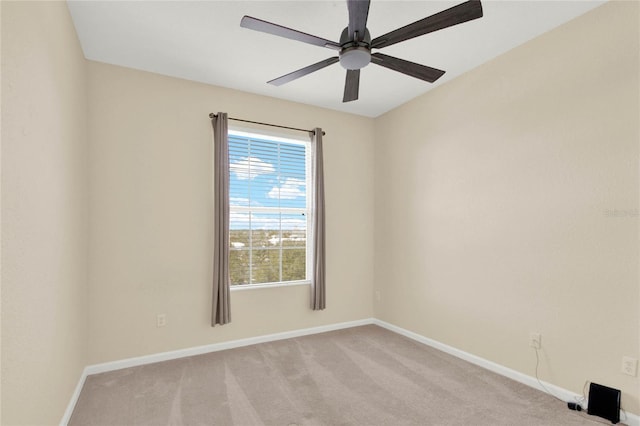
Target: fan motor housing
[354,54]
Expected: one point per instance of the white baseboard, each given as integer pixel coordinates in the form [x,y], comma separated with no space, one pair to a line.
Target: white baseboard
[214,347]
[74,398]
[628,418]
[198,350]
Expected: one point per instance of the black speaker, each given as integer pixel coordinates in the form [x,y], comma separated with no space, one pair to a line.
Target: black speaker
[604,402]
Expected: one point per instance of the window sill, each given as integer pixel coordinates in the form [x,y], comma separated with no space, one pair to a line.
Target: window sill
[242,287]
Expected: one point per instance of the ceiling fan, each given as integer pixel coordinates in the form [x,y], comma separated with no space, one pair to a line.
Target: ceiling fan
[356,44]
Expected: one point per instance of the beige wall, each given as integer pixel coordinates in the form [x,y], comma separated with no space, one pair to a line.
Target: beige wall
[151,223]
[492,201]
[490,198]
[44,212]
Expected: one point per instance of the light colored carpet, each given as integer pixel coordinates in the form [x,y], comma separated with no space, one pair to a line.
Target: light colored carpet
[358,376]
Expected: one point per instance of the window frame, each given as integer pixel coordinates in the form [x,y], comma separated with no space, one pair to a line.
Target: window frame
[308,211]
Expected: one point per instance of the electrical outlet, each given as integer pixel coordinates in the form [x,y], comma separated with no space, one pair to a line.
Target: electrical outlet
[629,366]
[535,340]
[161,320]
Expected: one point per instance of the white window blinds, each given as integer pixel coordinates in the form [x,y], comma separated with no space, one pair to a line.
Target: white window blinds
[269,209]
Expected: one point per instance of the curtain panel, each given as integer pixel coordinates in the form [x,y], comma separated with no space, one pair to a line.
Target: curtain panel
[318,292]
[220,307]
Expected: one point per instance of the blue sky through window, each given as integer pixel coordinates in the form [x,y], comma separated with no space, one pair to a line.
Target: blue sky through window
[266,176]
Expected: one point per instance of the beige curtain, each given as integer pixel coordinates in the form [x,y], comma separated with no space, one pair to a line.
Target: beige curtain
[221,311]
[318,298]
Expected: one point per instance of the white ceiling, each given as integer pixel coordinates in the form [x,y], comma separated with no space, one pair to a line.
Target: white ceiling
[203,41]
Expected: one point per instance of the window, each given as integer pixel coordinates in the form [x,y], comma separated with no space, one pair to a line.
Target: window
[270,211]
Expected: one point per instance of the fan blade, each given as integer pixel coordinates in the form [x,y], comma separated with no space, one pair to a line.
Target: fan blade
[303,71]
[463,12]
[405,67]
[351,86]
[279,30]
[358,13]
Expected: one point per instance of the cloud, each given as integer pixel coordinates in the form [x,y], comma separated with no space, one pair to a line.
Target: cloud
[250,168]
[289,190]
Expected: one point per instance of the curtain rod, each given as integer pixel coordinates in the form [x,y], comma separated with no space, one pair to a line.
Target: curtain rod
[212,115]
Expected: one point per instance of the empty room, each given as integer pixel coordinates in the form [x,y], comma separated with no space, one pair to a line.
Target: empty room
[320,212]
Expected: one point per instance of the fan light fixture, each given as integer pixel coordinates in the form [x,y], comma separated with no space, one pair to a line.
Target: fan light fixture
[355,58]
